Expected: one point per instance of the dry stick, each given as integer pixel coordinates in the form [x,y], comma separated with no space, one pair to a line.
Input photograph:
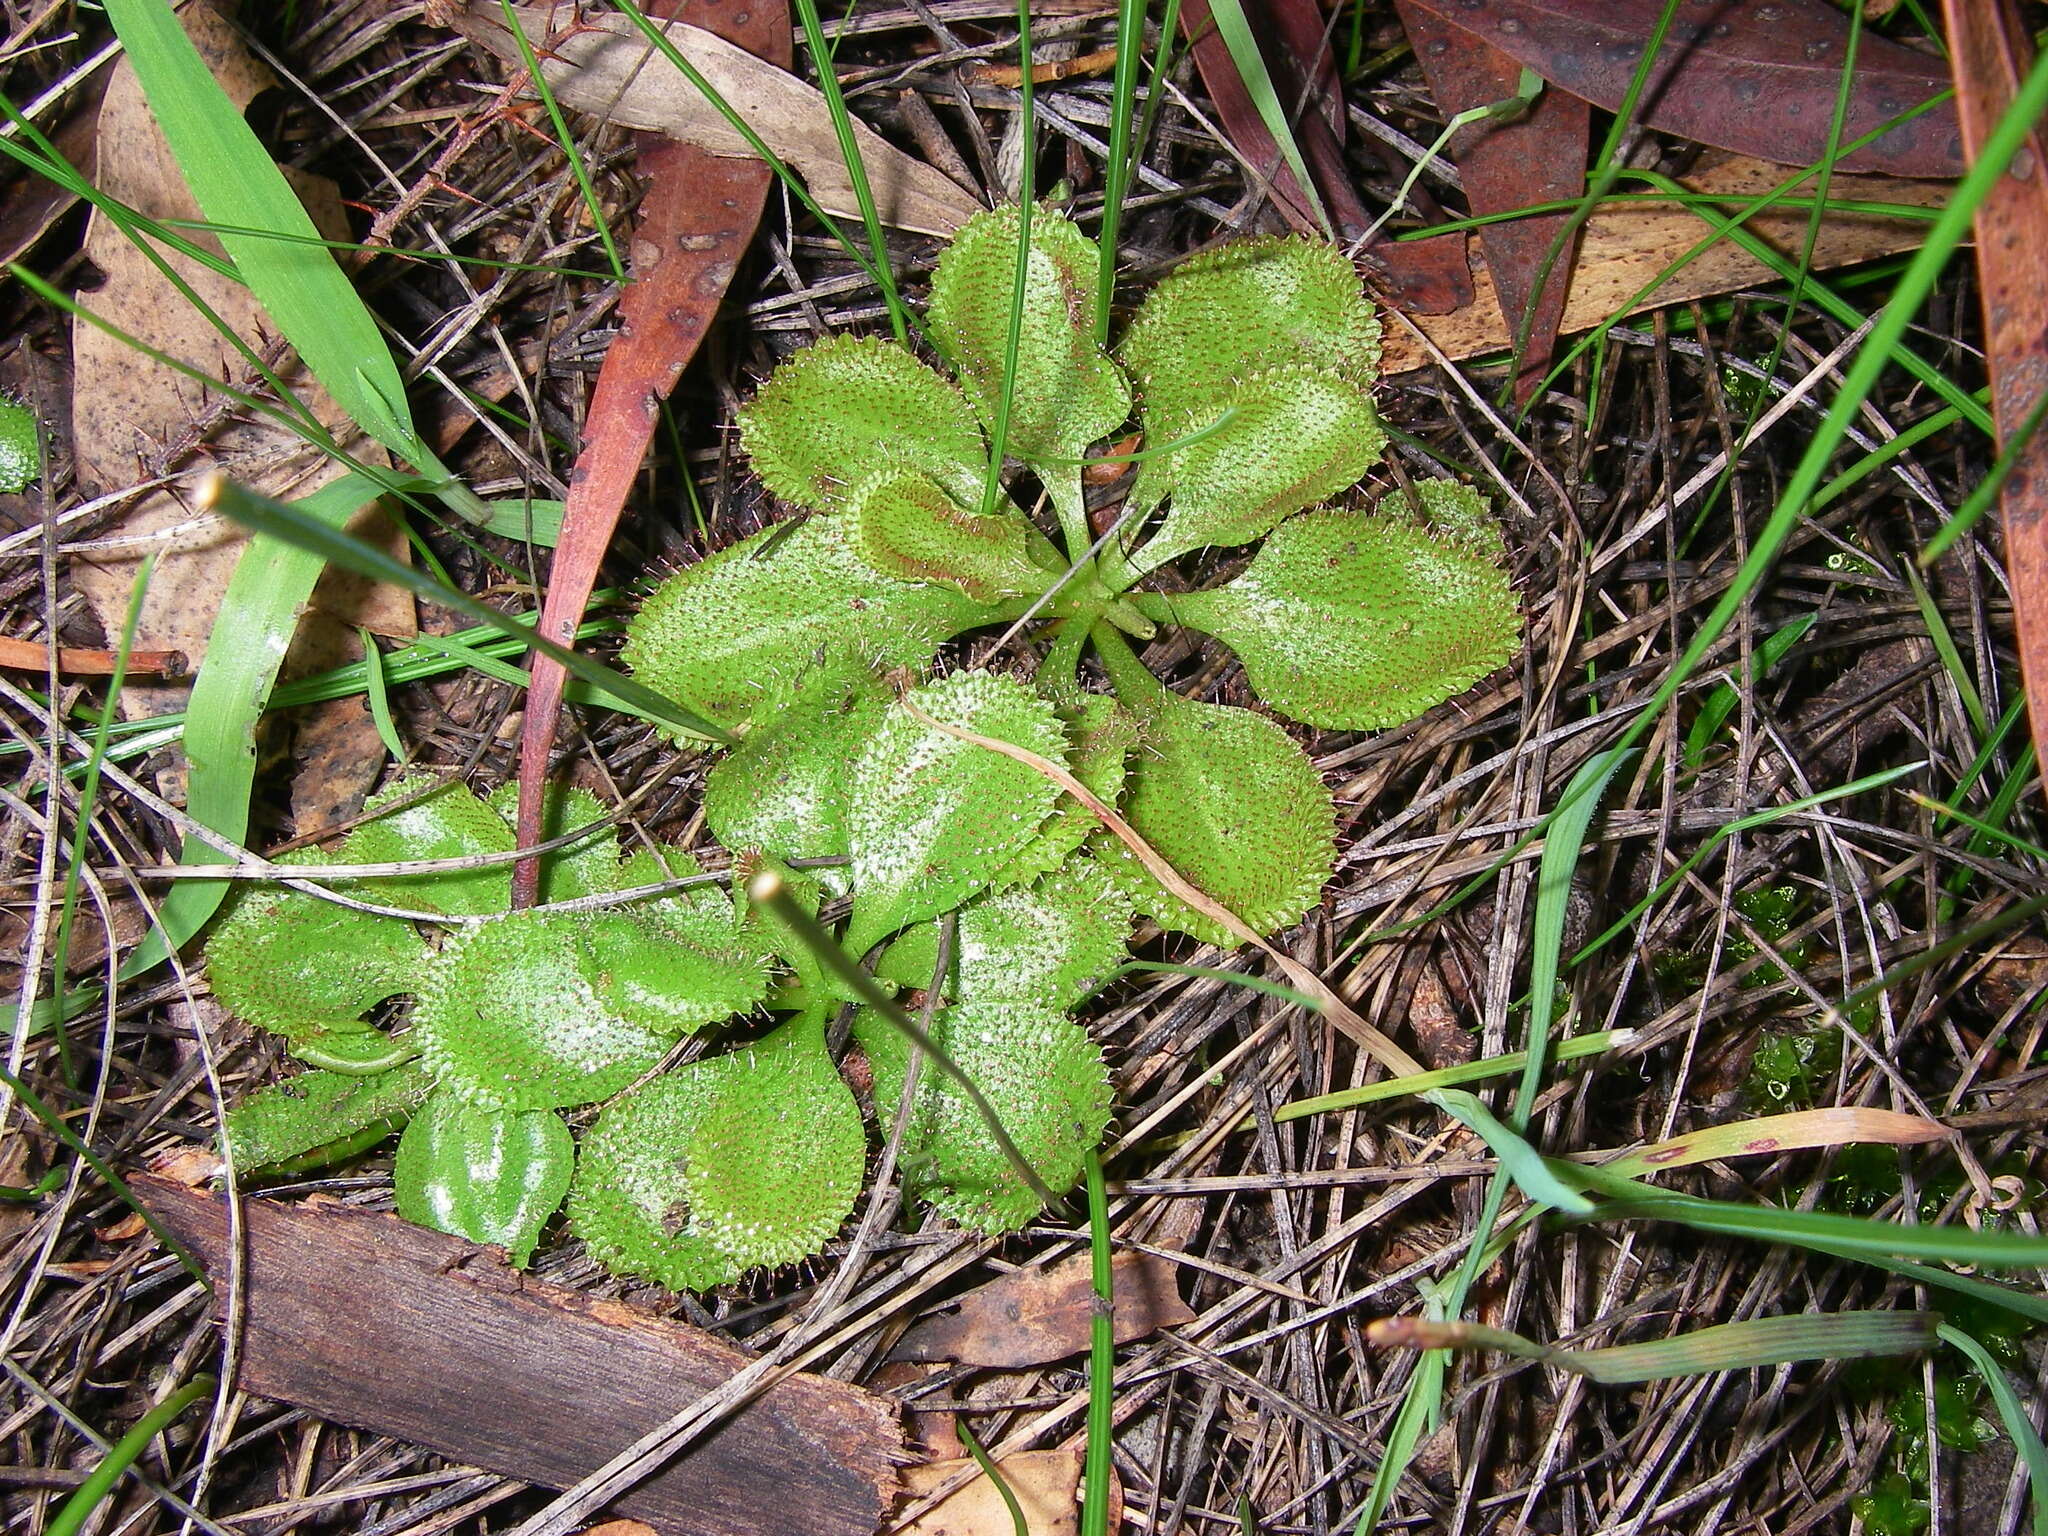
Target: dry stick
[1368,1036]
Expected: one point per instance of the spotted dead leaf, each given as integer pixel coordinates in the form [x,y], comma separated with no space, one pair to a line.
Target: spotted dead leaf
[1036,1316]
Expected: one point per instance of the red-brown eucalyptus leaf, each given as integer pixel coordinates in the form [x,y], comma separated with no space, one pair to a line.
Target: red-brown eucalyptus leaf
[694,224]
[1539,157]
[1991,53]
[1427,276]
[1755,76]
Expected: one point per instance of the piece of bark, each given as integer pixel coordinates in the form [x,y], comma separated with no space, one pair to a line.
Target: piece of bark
[1626,246]
[368,1320]
[1037,1316]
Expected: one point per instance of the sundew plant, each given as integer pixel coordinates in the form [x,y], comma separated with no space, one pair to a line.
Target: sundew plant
[926,812]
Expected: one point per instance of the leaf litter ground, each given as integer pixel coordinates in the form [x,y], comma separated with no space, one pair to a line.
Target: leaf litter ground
[1291,1234]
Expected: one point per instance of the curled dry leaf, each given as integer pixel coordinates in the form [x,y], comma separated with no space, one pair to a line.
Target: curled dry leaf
[608,68]
[1036,1316]
[1627,246]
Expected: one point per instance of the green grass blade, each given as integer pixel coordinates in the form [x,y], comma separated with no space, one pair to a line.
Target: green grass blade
[1019,1526]
[289,523]
[1721,702]
[86,1499]
[265,595]
[1580,800]
[1236,31]
[379,695]
[1101,1359]
[856,168]
[235,180]
[567,140]
[1756,1341]
[2019,1425]
[1116,171]
[1518,1160]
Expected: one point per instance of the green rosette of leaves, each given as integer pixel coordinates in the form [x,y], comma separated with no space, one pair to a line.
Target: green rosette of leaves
[469,1028]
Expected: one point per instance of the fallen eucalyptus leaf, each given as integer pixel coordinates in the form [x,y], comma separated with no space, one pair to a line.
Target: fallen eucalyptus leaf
[606,66]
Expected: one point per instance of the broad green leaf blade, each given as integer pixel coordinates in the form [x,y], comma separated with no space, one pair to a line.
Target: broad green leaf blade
[508,1020]
[1296,436]
[299,966]
[258,613]
[628,1202]
[735,635]
[1066,391]
[483,1174]
[241,189]
[783,788]
[1100,737]
[651,976]
[932,818]
[1048,944]
[1518,1159]
[905,525]
[1243,308]
[848,407]
[751,1158]
[1046,1081]
[1359,621]
[449,823]
[587,867]
[315,1109]
[1230,801]
[778,1159]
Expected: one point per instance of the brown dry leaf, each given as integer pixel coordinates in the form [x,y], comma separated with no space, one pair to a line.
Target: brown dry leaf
[607,68]
[1037,1316]
[621,1528]
[126,408]
[1046,1485]
[1625,247]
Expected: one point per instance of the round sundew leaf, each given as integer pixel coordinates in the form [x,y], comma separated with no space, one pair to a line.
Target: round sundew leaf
[932,818]
[586,867]
[19,434]
[301,966]
[783,788]
[1048,944]
[449,823]
[508,1019]
[1041,1073]
[845,407]
[483,1174]
[1232,803]
[1066,392]
[777,1160]
[650,976]
[1243,308]
[315,1109]
[1299,436]
[627,1200]
[1358,621]
[736,635]
[751,1158]
[906,526]
[1100,735]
